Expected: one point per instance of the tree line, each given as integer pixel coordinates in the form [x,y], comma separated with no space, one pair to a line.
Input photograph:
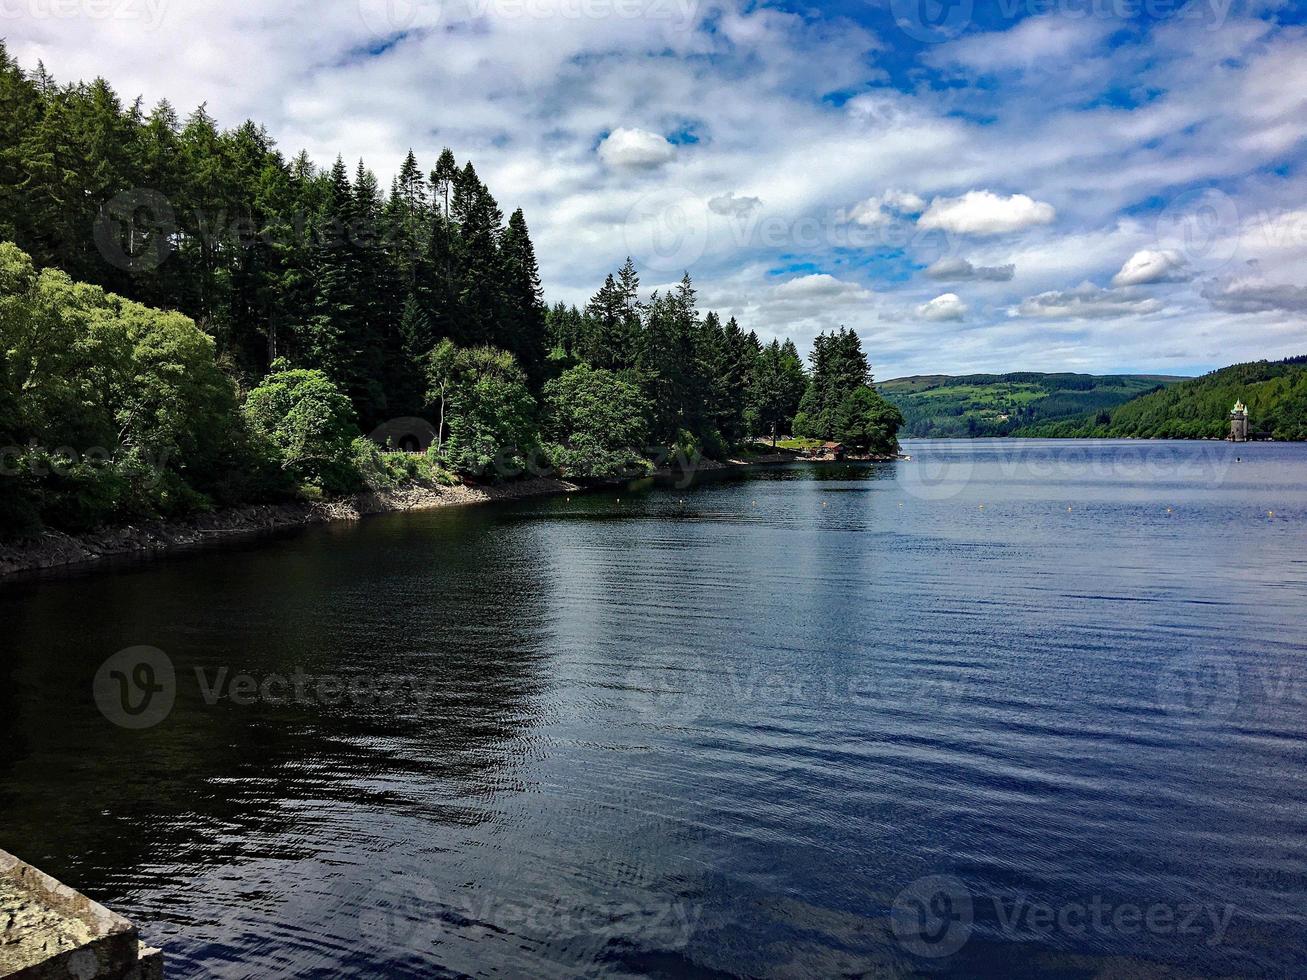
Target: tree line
[262,313]
[1275,393]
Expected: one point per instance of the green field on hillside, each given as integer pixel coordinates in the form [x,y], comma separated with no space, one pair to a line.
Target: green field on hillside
[1275,393]
[938,405]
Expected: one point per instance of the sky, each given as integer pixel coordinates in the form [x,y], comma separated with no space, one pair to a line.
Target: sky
[1086,185]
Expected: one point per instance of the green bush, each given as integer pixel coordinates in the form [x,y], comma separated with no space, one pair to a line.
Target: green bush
[121,409]
[309,424]
[486,406]
[594,424]
[382,470]
[867,422]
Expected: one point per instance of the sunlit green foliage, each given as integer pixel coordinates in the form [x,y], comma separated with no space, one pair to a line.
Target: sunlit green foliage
[944,406]
[309,423]
[866,422]
[489,413]
[111,409]
[595,424]
[1275,393]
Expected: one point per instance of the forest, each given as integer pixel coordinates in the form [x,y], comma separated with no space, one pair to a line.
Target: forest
[1275,393]
[982,405]
[190,319]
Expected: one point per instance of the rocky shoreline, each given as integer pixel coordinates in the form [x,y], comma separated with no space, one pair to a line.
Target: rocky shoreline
[54,549]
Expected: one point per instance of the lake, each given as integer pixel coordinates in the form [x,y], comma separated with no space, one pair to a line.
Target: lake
[1011,708]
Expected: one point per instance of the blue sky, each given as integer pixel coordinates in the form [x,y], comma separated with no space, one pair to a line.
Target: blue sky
[1096,185]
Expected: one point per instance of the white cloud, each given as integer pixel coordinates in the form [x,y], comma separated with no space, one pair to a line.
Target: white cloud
[735,207]
[881,209]
[1148,266]
[944,307]
[957,269]
[1086,302]
[904,201]
[819,286]
[1177,108]
[1256,296]
[1048,42]
[986,213]
[635,149]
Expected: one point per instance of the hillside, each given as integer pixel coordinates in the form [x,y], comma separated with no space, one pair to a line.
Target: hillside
[939,405]
[1274,391]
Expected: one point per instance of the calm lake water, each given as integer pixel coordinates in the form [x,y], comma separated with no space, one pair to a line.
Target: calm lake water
[1009,709]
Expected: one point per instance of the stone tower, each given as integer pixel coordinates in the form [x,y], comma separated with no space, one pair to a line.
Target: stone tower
[1238,423]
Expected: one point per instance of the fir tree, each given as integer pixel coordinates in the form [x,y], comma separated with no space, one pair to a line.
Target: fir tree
[524,300]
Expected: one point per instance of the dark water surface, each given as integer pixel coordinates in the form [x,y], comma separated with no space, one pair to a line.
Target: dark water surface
[1008,709]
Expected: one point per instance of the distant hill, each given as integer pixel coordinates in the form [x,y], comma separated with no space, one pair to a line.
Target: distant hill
[1274,391]
[941,405]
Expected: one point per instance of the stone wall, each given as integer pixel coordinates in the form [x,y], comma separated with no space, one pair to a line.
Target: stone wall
[49,931]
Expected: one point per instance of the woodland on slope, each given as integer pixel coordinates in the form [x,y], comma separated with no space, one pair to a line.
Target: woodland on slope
[190,319]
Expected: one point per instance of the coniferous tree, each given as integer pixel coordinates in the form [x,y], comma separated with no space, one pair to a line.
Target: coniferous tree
[328,332]
[374,339]
[205,195]
[565,327]
[838,367]
[406,222]
[524,300]
[776,385]
[604,341]
[480,276]
[20,111]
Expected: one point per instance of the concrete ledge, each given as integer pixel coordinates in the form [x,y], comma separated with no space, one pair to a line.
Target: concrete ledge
[49,931]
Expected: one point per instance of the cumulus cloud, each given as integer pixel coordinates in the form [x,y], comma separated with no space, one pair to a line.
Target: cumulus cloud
[947,306]
[819,285]
[881,209]
[1149,266]
[635,149]
[734,207]
[1086,302]
[958,269]
[527,97]
[904,201]
[1255,296]
[986,213]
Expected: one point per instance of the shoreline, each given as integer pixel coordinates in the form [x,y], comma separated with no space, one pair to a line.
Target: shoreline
[61,550]
[58,549]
